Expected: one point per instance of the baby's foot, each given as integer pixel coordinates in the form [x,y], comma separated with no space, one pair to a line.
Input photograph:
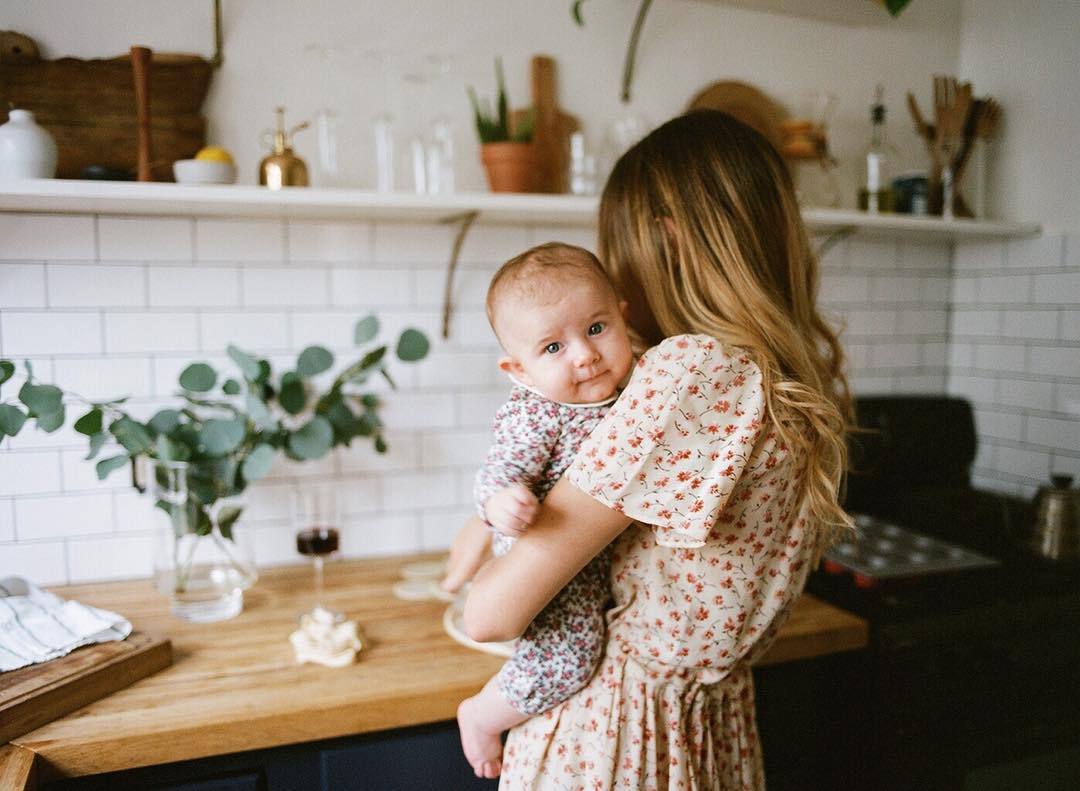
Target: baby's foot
[483,749]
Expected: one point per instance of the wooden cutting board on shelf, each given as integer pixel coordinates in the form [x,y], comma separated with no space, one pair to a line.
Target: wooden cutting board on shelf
[552,127]
[32,696]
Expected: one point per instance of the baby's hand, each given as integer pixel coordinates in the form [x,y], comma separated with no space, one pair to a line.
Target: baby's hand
[512,510]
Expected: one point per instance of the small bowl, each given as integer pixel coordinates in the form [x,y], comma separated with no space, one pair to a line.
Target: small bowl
[201,171]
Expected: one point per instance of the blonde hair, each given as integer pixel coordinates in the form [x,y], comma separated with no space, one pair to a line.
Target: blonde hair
[701,233]
[534,273]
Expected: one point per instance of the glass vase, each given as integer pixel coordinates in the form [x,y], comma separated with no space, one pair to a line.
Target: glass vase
[204,560]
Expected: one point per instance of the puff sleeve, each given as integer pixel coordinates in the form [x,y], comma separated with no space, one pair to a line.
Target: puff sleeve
[675,445]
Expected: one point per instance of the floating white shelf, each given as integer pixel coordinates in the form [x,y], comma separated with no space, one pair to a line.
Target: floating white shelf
[118,197]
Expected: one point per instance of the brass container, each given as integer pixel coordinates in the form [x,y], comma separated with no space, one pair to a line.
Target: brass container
[282,168]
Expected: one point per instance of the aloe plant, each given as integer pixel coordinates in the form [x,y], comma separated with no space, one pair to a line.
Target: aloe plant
[495,127]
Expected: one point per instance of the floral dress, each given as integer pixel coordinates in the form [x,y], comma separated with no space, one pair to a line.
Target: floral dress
[702,580]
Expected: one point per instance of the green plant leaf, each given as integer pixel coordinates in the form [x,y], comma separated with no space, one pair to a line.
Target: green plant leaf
[258,462]
[380,445]
[106,466]
[168,449]
[199,518]
[12,420]
[97,441]
[372,358]
[198,378]
[231,387]
[260,413]
[7,370]
[41,399]
[132,435]
[265,372]
[247,364]
[90,423]
[29,369]
[412,346]
[313,439]
[313,361]
[389,379]
[219,437]
[165,421]
[51,422]
[366,329]
[344,421]
[896,6]
[370,400]
[575,12]
[226,518]
[292,396]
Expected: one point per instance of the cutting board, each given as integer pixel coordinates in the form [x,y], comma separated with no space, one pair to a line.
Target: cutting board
[553,128]
[32,696]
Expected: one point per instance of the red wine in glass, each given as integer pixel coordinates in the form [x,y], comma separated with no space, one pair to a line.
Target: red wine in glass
[317,542]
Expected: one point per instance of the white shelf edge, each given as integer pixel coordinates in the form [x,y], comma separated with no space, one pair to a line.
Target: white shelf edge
[60,196]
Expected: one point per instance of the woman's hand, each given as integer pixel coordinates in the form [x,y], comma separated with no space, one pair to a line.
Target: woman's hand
[508,592]
[471,548]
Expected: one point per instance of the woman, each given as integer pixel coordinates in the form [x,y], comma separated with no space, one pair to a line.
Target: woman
[716,473]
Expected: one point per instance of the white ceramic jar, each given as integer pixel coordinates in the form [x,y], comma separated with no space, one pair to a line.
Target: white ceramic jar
[27,151]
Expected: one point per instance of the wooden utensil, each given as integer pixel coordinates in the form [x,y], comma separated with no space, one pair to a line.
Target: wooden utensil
[552,127]
[746,103]
[35,695]
[141,58]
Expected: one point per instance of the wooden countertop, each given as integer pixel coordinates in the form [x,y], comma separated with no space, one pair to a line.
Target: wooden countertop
[235,686]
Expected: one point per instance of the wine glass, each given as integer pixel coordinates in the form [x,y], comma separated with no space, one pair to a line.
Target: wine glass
[316,520]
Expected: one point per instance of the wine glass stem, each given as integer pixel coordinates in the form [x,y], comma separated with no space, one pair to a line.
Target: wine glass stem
[317,561]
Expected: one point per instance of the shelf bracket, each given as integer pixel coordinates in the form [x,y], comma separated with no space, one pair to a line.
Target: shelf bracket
[465,222]
[833,239]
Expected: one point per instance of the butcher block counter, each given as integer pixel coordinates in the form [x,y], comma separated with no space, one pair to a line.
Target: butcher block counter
[234,686]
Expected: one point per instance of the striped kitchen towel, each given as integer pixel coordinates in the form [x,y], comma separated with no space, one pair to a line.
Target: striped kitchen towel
[36,626]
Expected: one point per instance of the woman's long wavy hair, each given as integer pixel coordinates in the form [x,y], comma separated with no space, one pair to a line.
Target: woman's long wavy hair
[701,233]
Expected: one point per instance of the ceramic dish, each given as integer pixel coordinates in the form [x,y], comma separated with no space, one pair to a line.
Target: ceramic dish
[454,624]
[200,171]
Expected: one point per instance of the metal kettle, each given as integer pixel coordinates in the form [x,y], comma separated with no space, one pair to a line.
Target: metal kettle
[1056,532]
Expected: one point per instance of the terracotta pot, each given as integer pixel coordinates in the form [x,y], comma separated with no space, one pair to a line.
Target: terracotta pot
[511,167]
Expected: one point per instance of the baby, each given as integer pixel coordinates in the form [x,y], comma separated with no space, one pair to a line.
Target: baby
[567,353]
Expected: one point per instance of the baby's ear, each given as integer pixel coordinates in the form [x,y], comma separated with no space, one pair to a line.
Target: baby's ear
[624,309]
[508,365]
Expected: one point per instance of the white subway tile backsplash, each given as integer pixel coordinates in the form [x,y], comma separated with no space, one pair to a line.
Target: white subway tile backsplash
[935,291]
[1053,432]
[1026,394]
[862,323]
[1070,325]
[471,328]
[57,517]
[7,520]
[333,329]
[926,256]
[1065,465]
[68,332]
[964,289]
[376,536]
[1054,361]
[476,409]
[935,355]
[420,410]
[361,495]
[41,562]
[491,245]
[373,289]
[1071,253]
[80,475]
[978,389]
[459,448]
[896,289]
[135,512]
[275,545]
[144,239]
[254,332]
[1005,288]
[1035,253]
[1000,357]
[412,244]
[1058,288]
[976,322]
[844,288]
[22,286]
[286,286]
[438,528]
[979,255]
[403,453]
[96,285]
[469,289]
[961,355]
[118,557]
[1030,324]
[895,355]
[871,254]
[922,384]
[194,286]
[1067,399]
[923,322]
[582,237]
[329,241]
[41,237]
[99,378]
[438,489]
[142,332]
[1003,425]
[458,369]
[1027,463]
[239,240]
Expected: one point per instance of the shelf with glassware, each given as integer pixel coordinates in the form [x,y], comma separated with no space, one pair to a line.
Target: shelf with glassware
[64,196]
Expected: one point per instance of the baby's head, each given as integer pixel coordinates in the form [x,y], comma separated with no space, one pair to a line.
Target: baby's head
[560,323]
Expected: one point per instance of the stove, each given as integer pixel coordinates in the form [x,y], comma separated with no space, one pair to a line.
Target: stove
[972,674]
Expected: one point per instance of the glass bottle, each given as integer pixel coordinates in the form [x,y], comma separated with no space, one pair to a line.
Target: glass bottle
[875,192]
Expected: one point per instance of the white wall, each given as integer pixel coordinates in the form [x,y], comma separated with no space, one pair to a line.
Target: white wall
[686,45]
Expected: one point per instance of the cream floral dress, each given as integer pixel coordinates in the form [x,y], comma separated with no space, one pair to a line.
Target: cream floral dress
[701,581]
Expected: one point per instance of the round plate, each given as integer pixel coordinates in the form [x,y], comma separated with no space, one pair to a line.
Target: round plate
[454,624]
[746,103]
[424,570]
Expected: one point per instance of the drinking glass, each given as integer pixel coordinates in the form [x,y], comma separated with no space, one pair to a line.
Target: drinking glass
[317,522]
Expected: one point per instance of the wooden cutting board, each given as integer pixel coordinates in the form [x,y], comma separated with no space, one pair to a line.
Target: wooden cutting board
[553,128]
[32,696]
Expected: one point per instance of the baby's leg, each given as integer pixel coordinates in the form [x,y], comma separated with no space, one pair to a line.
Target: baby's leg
[481,721]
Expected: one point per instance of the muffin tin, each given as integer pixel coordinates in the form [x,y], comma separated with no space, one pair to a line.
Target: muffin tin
[881,550]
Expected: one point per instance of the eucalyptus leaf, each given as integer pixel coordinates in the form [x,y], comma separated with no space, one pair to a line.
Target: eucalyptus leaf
[91,423]
[380,445]
[259,413]
[247,364]
[7,370]
[226,518]
[369,400]
[366,329]
[313,439]
[52,421]
[412,346]
[41,399]
[106,466]
[198,378]
[313,361]
[165,421]
[231,387]
[97,441]
[389,379]
[132,435]
[258,462]
[346,425]
[12,420]
[265,371]
[219,437]
[292,396]
[372,358]
[168,449]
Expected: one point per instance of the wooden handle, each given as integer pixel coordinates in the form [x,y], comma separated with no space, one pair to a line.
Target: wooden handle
[140,66]
[543,89]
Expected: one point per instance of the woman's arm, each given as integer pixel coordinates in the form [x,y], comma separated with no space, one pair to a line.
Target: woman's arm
[508,592]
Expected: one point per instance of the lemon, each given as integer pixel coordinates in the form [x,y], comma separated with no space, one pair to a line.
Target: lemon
[215,154]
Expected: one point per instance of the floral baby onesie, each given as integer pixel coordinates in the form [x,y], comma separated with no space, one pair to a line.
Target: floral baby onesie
[535,439]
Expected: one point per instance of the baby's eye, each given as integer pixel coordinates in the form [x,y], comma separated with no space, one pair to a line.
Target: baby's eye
[596,328]
[553,347]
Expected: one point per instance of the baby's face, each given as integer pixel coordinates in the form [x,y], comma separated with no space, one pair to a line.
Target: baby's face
[573,348]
